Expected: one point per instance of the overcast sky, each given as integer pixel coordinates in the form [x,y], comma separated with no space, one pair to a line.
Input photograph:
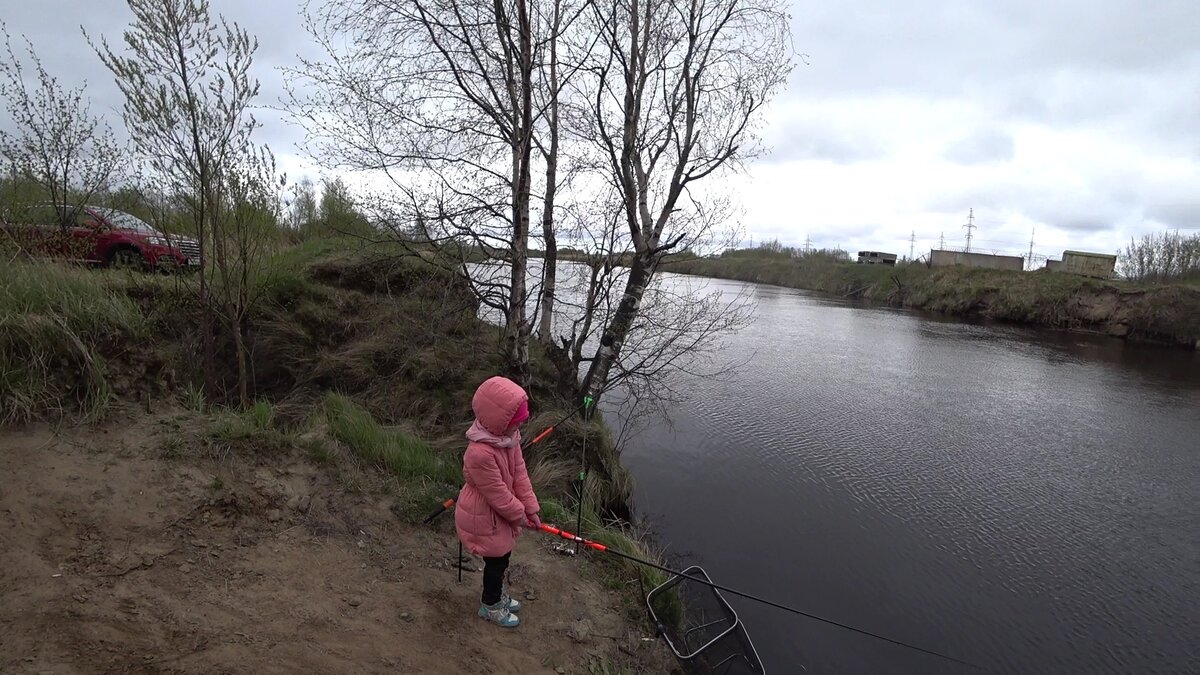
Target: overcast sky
[1079,119]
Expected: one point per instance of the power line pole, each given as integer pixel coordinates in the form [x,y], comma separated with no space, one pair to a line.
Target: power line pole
[912,244]
[807,244]
[970,226]
[1032,231]
[942,242]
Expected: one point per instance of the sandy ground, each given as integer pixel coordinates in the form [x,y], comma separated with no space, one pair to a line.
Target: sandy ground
[113,559]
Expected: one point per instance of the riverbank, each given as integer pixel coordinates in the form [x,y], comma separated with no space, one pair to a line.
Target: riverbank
[1158,313]
[287,533]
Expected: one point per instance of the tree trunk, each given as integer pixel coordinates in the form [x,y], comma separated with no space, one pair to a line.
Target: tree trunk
[207,349]
[518,325]
[243,372]
[640,272]
[518,328]
[550,261]
[549,266]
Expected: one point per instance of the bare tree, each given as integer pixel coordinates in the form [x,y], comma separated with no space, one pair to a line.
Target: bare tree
[449,99]
[455,102]
[187,94]
[56,142]
[1161,256]
[673,92]
[678,333]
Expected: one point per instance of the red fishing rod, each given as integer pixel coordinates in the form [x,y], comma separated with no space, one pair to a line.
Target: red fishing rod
[597,546]
[449,503]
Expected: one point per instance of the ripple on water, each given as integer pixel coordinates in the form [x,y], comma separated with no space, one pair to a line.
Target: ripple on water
[1019,500]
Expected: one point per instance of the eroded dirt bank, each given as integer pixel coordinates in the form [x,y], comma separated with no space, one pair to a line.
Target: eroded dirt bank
[116,558]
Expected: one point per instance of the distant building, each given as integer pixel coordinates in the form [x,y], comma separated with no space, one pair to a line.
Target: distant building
[1099,265]
[876,258]
[939,258]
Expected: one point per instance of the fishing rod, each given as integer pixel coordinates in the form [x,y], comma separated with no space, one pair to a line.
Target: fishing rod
[588,401]
[588,409]
[597,546]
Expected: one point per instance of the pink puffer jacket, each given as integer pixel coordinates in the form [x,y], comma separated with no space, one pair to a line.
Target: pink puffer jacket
[493,505]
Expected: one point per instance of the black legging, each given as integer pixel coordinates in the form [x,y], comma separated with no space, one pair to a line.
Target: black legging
[493,578]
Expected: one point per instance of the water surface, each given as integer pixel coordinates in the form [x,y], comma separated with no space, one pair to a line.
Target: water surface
[1023,499]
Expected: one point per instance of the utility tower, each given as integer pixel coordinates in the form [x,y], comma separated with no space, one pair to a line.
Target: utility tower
[1032,232]
[970,226]
[912,245]
[942,242]
[807,244]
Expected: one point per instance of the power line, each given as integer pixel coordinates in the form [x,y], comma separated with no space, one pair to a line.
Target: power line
[970,226]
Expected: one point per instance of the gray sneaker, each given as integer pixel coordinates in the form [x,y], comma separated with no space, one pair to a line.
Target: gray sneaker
[512,604]
[499,614]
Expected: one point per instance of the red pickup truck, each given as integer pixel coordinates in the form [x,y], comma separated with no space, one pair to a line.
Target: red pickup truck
[100,236]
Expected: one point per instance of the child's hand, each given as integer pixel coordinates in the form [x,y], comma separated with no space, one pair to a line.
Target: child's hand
[533,522]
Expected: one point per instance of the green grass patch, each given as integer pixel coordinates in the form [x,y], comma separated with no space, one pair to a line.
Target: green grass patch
[399,453]
[241,425]
[52,318]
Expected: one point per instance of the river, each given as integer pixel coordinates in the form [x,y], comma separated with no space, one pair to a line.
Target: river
[1021,499]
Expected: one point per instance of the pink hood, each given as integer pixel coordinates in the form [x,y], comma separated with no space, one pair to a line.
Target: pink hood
[496,402]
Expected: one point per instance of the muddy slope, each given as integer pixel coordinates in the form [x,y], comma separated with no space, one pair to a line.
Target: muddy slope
[114,558]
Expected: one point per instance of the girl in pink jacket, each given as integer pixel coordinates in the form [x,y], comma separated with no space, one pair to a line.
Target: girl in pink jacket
[497,500]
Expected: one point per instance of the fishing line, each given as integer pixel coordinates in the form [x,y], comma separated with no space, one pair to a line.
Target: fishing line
[604,549]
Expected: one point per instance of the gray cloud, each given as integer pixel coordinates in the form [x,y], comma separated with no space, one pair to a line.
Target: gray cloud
[832,148]
[981,147]
[1183,214]
[797,137]
[1072,209]
[941,97]
[944,47]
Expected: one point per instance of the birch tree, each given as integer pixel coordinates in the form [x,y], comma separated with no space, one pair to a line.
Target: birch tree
[454,101]
[674,89]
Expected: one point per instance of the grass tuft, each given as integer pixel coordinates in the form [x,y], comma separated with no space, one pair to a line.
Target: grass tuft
[52,318]
[399,453]
[193,398]
[261,415]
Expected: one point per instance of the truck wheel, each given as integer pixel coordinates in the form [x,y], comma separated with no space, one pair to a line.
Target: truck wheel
[126,258]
